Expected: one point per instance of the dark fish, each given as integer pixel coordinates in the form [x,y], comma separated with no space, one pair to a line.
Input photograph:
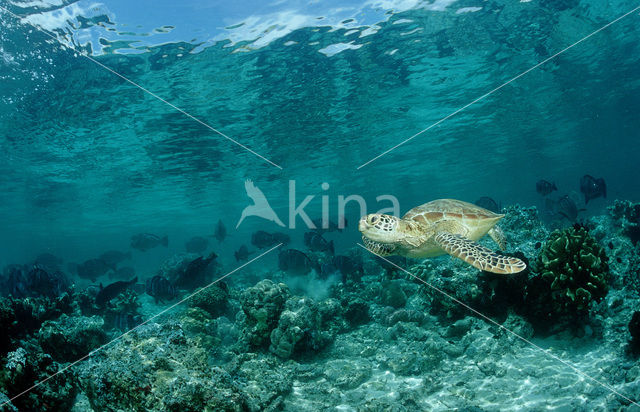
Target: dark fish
[114,257]
[592,188]
[489,204]
[93,269]
[196,244]
[295,262]
[125,272]
[15,283]
[220,232]
[196,273]
[279,237]
[243,253]
[112,290]
[567,208]
[146,241]
[315,242]
[160,288]
[40,282]
[328,269]
[329,225]
[126,321]
[262,239]
[349,267]
[544,187]
[48,261]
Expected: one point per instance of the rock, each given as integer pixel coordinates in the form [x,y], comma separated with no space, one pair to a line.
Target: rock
[213,299]
[356,312]
[347,374]
[70,338]
[459,328]
[158,368]
[519,326]
[634,331]
[6,405]
[266,382]
[298,329]
[262,305]
[391,294]
[405,315]
[24,369]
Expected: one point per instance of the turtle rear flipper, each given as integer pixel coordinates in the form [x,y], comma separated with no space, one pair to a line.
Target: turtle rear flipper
[498,236]
[477,255]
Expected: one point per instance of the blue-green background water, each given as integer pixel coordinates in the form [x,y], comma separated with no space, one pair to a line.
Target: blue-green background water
[87,159]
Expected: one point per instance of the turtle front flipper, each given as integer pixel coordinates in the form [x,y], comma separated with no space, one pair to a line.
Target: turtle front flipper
[380,249]
[477,255]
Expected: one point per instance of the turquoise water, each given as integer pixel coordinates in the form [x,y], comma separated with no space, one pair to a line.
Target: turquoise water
[88,159]
[85,153]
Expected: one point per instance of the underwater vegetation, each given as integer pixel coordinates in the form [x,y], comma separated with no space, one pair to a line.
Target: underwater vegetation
[572,273]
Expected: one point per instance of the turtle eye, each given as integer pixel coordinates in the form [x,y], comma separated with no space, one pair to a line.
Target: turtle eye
[373,219]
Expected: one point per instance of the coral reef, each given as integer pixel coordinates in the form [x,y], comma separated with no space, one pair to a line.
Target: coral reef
[460,284]
[386,342]
[356,311]
[627,215]
[391,294]
[261,307]
[175,266]
[159,368]
[572,272]
[298,329]
[21,317]
[405,315]
[264,378]
[6,405]
[122,312]
[634,331]
[213,299]
[24,368]
[523,228]
[624,256]
[70,338]
[288,325]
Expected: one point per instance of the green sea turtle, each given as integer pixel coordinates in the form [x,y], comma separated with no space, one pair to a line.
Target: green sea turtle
[438,227]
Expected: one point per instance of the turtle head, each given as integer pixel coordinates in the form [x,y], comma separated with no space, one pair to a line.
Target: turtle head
[379,233]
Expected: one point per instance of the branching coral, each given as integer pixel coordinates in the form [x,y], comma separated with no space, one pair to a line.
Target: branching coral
[572,273]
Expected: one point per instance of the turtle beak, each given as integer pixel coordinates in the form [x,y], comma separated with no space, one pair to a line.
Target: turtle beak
[362,225]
